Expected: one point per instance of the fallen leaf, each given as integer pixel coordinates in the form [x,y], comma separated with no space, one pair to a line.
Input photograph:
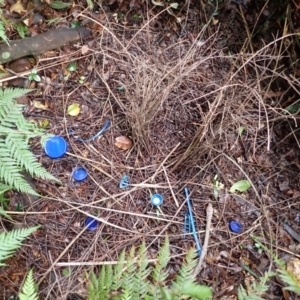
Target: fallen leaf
[123,142]
[74,110]
[241,186]
[44,123]
[17,7]
[39,105]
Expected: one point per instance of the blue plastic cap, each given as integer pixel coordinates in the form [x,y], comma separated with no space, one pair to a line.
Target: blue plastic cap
[157,199]
[80,174]
[56,147]
[235,227]
[91,223]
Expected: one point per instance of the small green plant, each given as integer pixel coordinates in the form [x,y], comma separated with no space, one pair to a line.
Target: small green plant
[72,67]
[22,29]
[2,33]
[29,290]
[133,278]
[255,291]
[137,17]
[33,76]
[81,79]
[15,155]
[9,243]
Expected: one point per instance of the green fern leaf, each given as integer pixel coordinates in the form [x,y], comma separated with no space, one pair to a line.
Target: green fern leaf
[11,93]
[242,293]
[29,291]
[11,241]
[3,213]
[108,277]
[196,291]
[4,188]
[130,279]
[159,274]
[186,271]
[15,154]
[118,272]
[291,282]
[143,271]
[129,272]
[3,36]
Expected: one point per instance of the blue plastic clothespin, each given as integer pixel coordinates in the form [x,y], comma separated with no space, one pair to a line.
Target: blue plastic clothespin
[191,222]
[124,183]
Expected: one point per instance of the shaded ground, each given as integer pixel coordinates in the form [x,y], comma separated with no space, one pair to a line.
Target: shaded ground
[181,92]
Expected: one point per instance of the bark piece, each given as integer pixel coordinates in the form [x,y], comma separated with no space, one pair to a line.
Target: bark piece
[41,43]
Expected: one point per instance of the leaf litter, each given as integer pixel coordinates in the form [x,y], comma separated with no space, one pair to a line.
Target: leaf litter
[185,96]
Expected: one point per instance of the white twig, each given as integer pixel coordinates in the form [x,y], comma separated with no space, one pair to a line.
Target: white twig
[209,214]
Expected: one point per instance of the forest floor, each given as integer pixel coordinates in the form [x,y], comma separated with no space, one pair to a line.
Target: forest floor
[208,95]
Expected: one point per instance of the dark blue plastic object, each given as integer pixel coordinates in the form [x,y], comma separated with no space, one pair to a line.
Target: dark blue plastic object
[56,147]
[235,227]
[124,183]
[157,199]
[80,174]
[103,129]
[91,223]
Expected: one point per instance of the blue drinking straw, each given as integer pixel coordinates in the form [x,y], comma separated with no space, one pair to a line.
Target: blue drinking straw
[104,128]
[191,220]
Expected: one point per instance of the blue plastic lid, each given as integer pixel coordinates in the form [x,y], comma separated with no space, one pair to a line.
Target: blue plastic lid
[56,147]
[235,227]
[80,174]
[91,223]
[157,199]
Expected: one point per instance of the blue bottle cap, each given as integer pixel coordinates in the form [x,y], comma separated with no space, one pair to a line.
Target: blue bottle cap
[157,199]
[80,174]
[91,223]
[235,227]
[56,147]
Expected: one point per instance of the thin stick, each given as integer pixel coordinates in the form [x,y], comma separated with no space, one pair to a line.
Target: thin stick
[209,214]
[172,192]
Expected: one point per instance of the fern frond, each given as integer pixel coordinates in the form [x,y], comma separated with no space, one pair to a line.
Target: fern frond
[129,272]
[15,154]
[186,271]
[11,241]
[11,93]
[29,291]
[291,282]
[143,271]
[10,173]
[24,158]
[130,278]
[159,273]
[3,213]
[3,36]
[4,188]
[118,272]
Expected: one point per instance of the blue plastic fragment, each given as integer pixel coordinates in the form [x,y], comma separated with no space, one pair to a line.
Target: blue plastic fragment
[91,223]
[56,147]
[157,199]
[124,183]
[103,129]
[80,174]
[235,227]
[192,222]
